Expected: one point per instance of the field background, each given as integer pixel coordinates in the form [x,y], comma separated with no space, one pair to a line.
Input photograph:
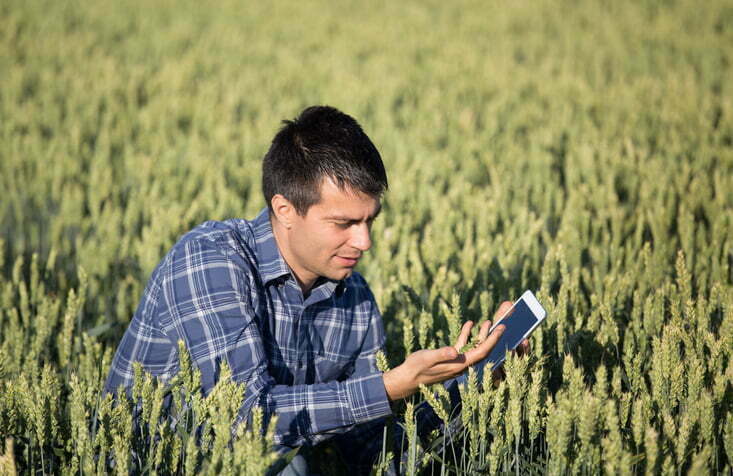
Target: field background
[580,149]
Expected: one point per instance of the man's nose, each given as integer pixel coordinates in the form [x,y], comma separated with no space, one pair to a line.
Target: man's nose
[360,238]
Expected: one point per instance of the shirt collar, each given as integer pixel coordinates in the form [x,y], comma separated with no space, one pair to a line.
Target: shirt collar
[271,264]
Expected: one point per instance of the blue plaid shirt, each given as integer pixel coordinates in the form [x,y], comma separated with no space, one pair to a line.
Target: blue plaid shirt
[225,290]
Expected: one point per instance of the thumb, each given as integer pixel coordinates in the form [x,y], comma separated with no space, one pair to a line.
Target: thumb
[445,353]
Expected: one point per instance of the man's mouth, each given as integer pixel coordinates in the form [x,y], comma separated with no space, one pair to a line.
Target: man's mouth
[348,260]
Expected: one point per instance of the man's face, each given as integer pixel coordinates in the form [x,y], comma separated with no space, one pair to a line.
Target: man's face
[329,240]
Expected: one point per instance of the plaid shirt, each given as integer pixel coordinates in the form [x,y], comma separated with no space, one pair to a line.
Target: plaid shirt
[225,290]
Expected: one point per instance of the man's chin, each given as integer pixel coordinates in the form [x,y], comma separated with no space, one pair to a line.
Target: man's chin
[341,274]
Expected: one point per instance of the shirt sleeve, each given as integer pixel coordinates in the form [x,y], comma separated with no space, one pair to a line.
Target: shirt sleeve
[366,362]
[361,446]
[362,443]
[205,302]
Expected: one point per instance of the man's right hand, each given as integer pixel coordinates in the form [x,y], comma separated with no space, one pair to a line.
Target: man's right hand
[432,366]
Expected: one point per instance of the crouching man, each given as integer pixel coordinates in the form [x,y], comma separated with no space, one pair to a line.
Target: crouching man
[277,297]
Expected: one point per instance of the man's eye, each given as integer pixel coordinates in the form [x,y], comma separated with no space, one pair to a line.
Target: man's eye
[343,224]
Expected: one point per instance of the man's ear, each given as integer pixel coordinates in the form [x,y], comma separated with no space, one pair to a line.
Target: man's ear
[283,210]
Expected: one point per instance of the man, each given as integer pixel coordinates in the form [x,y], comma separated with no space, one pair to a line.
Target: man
[277,297]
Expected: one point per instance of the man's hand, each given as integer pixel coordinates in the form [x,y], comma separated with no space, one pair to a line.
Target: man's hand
[432,366]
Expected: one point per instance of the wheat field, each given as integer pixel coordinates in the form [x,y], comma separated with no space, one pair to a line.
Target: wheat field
[583,150]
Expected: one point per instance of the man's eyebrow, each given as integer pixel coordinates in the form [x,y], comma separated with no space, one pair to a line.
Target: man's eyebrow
[347,218]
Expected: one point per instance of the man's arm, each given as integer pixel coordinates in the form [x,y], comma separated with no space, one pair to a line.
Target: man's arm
[365,441]
[205,302]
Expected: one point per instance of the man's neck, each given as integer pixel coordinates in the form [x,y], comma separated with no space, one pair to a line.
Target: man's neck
[305,279]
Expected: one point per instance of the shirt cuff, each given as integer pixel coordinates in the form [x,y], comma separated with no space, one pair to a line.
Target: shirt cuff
[367,397]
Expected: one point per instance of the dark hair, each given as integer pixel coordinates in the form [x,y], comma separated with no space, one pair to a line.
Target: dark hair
[321,142]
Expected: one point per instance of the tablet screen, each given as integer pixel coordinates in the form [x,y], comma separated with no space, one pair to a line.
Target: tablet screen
[520,320]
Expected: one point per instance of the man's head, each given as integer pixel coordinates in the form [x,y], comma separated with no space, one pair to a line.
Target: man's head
[322,180]
[321,143]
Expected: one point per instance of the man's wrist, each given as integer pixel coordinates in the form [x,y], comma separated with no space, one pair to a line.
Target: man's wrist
[395,384]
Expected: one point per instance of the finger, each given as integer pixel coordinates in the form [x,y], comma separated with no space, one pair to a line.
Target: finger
[464,335]
[503,310]
[426,358]
[484,331]
[443,354]
[521,348]
[497,376]
[476,354]
[524,347]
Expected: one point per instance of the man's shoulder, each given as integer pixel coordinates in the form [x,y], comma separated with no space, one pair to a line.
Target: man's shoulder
[211,242]
[227,235]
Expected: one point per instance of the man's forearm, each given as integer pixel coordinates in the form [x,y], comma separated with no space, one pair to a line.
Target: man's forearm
[304,411]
